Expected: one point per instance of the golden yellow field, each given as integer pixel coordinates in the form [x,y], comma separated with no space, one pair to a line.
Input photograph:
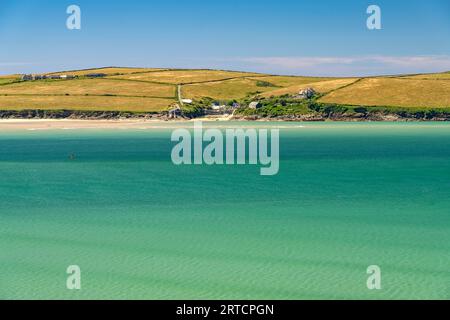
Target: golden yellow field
[143,89]
[84,103]
[289,81]
[227,90]
[393,92]
[89,86]
[185,76]
[108,71]
[10,76]
[430,76]
[320,86]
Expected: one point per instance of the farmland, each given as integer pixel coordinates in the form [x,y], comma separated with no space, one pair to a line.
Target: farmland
[158,90]
[76,87]
[186,76]
[83,103]
[224,90]
[319,86]
[393,92]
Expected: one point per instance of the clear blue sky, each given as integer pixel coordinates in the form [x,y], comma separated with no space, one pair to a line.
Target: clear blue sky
[321,37]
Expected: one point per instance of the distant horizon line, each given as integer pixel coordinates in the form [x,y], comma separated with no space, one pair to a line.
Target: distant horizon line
[227,70]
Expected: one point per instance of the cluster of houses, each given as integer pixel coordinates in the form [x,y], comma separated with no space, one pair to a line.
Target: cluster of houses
[33,77]
[220,108]
[307,93]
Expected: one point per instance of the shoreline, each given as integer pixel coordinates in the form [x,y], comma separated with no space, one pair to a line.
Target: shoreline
[143,124]
[130,117]
[33,120]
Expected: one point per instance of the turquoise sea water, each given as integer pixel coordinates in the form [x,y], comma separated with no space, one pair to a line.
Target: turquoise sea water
[347,196]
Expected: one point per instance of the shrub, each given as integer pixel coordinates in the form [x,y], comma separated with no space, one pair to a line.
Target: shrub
[264,84]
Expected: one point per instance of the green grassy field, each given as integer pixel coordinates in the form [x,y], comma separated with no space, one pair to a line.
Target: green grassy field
[9,79]
[6,81]
[155,90]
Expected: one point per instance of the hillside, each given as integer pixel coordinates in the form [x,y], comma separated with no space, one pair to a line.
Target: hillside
[398,92]
[154,90]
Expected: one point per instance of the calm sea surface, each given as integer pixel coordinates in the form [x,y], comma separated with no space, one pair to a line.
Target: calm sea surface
[347,196]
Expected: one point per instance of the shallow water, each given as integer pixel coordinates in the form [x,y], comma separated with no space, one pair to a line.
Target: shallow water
[347,196]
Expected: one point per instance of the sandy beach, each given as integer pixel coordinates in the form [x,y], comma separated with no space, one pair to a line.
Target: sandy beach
[10,125]
[50,124]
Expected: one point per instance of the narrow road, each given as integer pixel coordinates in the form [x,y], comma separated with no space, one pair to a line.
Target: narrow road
[180,99]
